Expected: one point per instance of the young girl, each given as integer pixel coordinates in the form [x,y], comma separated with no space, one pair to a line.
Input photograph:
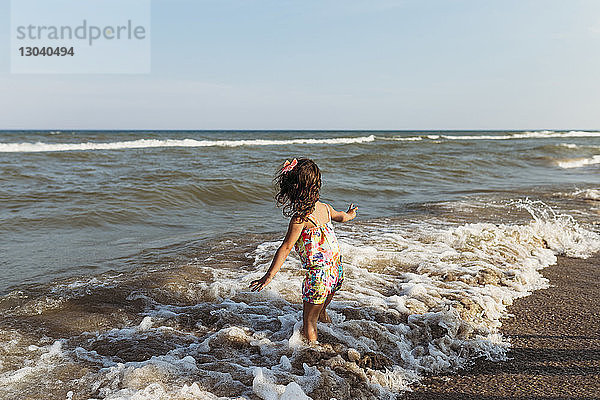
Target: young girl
[311,233]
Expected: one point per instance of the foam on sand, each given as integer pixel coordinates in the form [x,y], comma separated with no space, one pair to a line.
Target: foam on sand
[418,298]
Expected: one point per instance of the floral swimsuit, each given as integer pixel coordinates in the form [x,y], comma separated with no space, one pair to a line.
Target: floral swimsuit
[319,252]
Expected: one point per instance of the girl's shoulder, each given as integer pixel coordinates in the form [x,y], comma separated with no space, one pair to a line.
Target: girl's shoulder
[322,204]
[322,212]
[326,206]
[298,219]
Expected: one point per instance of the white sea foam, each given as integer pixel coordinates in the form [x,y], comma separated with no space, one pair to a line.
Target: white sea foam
[593,194]
[587,194]
[27,147]
[418,298]
[407,139]
[147,143]
[401,138]
[579,162]
[465,278]
[495,136]
[264,388]
[524,135]
[41,362]
[580,146]
[156,391]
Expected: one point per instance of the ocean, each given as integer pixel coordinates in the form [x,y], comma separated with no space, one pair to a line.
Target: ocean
[126,255]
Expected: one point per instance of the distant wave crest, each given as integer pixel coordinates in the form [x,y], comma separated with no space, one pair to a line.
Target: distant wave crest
[147,143]
[493,136]
[524,135]
[28,147]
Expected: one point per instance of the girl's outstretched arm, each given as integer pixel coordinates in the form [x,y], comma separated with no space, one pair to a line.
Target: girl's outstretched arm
[292,235]
[341,216]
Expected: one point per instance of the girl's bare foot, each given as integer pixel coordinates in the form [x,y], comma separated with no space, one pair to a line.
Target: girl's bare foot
[307,341]
[324,317]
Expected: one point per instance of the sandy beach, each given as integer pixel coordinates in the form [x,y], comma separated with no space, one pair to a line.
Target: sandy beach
[555,336]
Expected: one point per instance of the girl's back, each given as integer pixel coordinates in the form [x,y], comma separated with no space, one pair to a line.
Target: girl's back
[321,214]
[317,245]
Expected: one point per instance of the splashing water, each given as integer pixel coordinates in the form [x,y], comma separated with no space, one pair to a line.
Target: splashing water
[419,297]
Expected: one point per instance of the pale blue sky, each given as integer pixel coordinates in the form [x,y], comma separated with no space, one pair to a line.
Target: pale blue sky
[413,64]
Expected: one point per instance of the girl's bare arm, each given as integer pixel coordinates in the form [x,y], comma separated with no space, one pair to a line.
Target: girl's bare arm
[292,235]
[341,216]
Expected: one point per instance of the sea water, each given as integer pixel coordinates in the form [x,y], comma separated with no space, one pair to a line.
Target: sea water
[126,258]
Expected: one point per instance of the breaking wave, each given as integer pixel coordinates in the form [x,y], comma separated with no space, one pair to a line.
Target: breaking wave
[579,162]
[419,297]
[148,143]
[495,136]
[28,147]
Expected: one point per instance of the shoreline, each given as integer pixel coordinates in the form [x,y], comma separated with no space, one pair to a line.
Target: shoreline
[555,345]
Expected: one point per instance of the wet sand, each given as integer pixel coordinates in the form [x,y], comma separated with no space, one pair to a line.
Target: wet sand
[555,336]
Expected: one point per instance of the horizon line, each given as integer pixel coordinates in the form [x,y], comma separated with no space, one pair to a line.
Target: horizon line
[297,130]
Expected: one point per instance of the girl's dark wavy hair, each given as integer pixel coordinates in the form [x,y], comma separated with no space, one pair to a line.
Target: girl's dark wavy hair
[298,188]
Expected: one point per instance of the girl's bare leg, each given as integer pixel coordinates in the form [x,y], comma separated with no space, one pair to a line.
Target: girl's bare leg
[323,317]
[310,315]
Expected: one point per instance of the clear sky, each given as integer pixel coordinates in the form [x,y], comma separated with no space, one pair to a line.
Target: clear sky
[345,64]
